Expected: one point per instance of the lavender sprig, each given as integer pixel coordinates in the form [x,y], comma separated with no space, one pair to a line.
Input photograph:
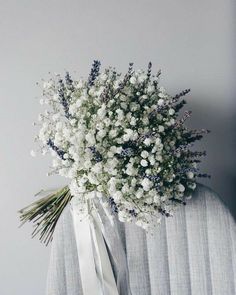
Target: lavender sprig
[126,78]
[133,213]
[97,155]
[69,81]
[179,95]
[149,71]
[127,152]
[180,122]
[180,105]
[203,175]
[113,205]
[189,169]
[59,152]
[191,154]
[94,72]
[63,99]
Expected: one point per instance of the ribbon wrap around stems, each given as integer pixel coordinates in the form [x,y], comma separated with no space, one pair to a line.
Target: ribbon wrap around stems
[95,234]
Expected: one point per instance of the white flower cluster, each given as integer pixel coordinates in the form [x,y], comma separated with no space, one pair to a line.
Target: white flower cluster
[118,138]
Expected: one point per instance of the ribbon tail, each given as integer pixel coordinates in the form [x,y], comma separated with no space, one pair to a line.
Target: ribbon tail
[88,274]
[108,280]
[96,272]
[113,240]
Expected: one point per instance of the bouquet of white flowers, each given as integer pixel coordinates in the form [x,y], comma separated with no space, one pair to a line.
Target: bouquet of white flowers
[118,139]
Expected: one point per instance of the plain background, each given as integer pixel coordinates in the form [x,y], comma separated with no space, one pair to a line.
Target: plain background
[191,41]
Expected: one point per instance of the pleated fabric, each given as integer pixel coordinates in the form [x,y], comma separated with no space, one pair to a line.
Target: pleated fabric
[192,253]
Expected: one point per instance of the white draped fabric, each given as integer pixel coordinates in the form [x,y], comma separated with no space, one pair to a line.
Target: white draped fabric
[192,253]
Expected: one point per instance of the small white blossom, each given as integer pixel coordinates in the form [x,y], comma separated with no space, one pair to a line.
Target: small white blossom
[190,174]
[160,102]
[144,163]
[181,188]
[192,185]
[171,112]
[133,80]
[47,85]
[139,193]
[142,78]
[32,153]
[144,154]
[147,141]
[146,184]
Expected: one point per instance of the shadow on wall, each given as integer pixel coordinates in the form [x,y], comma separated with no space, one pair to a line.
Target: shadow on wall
[231,173]
[220,145]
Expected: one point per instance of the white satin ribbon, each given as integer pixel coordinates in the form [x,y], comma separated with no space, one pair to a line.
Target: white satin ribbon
[96,272]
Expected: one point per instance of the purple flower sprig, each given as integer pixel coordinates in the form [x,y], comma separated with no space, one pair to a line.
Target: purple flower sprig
[164,212]
[63,99]
[69,81]
[113,205]
[179,123]
[180,105]
[59,152]
[96,154]
[179,95]
[127,152]
[149,71]
[133,213]
[195,154]
[186,170]
[203,175]
[94,72]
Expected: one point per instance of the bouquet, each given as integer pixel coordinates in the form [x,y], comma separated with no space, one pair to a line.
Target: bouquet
[120,140]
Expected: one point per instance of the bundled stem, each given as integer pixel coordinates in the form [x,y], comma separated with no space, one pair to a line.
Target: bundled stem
[45,213]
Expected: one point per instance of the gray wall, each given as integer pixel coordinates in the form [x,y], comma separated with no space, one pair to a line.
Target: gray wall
[191,41]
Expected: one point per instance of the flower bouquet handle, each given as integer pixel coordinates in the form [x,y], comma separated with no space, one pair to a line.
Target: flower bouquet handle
[46,212]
